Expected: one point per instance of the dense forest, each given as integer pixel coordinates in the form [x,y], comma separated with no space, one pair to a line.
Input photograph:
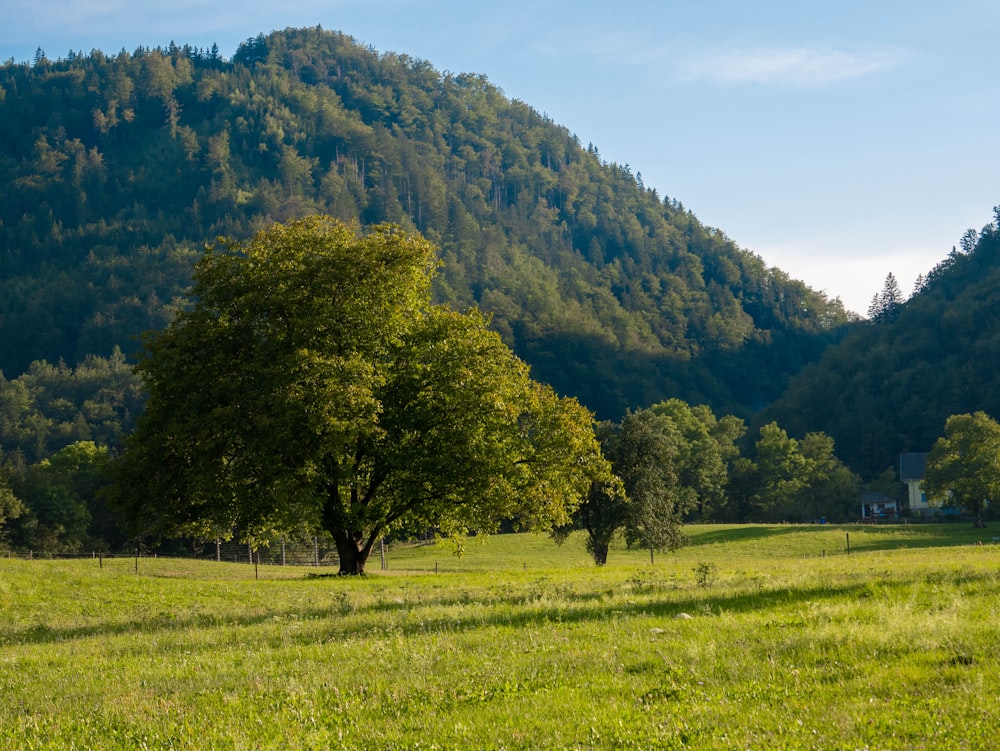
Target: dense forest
[118,168]
[891,384]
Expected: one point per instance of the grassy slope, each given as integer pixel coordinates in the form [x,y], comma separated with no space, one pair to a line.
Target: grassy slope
[519,644]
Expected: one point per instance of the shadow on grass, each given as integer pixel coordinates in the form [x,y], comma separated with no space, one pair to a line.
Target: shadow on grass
[863,537]
[745,533]
[508,609]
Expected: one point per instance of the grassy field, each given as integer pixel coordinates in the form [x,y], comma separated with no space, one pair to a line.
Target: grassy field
[753,637]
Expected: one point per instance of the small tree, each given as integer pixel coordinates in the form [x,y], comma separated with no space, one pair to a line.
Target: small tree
[312,382]
[963,467]
[604,512]
[646,500]
[653,458]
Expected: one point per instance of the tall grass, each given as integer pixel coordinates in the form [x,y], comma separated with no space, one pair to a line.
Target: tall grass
[789,643]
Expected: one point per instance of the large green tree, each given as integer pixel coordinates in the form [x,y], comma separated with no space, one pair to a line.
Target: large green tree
[963,466]
[313,381]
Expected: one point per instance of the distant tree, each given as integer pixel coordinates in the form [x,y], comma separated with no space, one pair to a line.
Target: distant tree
[781,473]
[649,502]
[312,382]
[791,480]
[741,502]
[52,406]
[963,467]
[604,512]
[969,241]
[60,494]
[650,458]
[885,305]
[831,488]
[10,505]
[706,445]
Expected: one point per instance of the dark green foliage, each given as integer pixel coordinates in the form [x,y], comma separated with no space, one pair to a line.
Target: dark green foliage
[790,480]
[51,406]
[57,428]
[670,460]
[63,508]
[115,168]
[313,384]
[11,506]
[963,467]
[885,305]
[890,388]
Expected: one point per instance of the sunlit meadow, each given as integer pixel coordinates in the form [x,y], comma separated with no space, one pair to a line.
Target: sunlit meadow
[752,637]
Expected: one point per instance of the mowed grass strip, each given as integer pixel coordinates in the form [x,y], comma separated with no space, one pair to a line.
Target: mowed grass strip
[751,637]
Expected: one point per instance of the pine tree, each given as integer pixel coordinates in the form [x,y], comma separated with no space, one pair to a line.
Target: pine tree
[885,305]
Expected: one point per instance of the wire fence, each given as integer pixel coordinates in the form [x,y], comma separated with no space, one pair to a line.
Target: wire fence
[319,552]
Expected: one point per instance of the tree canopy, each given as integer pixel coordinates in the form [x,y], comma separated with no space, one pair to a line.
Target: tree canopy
[963,466]
[668,460]
[313,382]
[116,168]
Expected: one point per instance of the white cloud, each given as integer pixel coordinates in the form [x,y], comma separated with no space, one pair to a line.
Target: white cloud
[794,66]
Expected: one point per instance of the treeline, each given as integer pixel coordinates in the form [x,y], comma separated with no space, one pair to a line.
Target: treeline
[61,430]
[891,384]
[117,168]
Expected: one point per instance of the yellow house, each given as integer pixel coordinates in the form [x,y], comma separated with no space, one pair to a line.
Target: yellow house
[912,467]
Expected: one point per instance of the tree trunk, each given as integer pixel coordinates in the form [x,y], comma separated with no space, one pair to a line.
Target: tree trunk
[352,552]
[600,553]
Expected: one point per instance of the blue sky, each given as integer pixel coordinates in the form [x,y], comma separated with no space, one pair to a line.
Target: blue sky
[840,141]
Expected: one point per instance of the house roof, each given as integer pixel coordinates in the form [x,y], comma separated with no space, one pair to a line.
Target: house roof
[912,466]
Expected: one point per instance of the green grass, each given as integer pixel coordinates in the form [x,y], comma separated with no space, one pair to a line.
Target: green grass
[753,637]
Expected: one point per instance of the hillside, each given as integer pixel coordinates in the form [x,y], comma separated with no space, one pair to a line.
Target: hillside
[116,169]
[889,387]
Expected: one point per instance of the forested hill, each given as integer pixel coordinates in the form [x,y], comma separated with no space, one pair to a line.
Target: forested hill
[116,169]
[890,384]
